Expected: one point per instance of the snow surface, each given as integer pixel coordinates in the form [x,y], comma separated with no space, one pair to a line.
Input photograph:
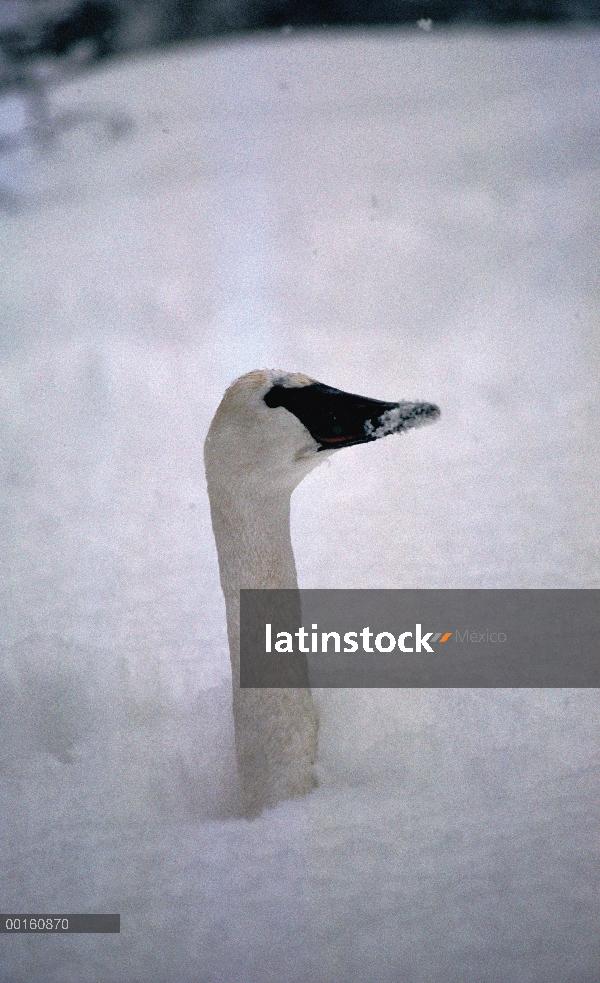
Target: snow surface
[404,215]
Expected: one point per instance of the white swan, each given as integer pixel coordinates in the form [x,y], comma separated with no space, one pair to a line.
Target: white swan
[270,429]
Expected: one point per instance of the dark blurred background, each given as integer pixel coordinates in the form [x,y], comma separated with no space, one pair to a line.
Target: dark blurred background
[81,32]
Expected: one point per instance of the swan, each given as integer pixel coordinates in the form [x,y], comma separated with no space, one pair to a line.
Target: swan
[270,430]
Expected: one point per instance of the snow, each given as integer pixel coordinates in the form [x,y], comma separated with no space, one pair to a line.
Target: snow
[404,416]
[406,215]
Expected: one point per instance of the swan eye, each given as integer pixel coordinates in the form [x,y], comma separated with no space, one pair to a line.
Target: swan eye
[273,397]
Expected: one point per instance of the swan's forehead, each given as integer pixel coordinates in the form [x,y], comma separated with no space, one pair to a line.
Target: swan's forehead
[293,380]
[257,383]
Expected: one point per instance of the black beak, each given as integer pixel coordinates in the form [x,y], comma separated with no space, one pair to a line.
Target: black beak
[337,419]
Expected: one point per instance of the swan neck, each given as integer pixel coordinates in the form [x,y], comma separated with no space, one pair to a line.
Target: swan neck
[253,540]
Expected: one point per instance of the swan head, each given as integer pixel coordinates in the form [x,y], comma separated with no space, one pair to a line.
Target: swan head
[272,427]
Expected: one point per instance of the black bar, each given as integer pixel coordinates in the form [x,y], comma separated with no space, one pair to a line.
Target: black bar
[420,638]
[18,924]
